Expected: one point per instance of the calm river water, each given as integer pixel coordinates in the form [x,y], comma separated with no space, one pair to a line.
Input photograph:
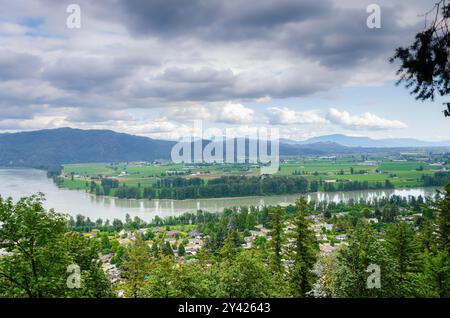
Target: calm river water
[22,182]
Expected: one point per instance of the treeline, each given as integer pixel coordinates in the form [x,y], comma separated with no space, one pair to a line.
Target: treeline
[229,186]
[53,170]
[244,217]
[438,179]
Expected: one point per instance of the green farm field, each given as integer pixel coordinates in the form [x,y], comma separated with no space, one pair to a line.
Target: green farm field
[400,173]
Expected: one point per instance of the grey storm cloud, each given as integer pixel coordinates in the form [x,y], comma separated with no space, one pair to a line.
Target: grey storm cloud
[216,19]
[96,115]
[20,111]
[144,54]
[188,84]
[18,65]
[84,74]
[341,38]
[317,29]
[207,84]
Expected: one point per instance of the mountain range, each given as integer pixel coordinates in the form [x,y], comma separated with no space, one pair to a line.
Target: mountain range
[67,145]
[351,141]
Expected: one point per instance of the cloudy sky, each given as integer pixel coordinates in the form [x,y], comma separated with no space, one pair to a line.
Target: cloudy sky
[309,67]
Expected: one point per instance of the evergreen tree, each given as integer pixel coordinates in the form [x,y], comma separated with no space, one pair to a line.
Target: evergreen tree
[304,253]
[427,237]
[360,259]
[155,249]
[402,245]
[167,250]
[276,221]
[181,250]
[228,251]
[136,267]
[444,220]
[389,213]
[437,276]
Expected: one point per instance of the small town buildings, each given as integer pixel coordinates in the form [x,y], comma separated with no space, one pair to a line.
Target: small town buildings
[157,230]
[372,220]
[142,231]
[194,234]
[173,234]
[327,248]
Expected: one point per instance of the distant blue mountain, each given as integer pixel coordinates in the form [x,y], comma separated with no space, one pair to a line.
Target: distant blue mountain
[350,141]
[66,145]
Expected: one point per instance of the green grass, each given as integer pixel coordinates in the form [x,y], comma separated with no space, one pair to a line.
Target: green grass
[401,174]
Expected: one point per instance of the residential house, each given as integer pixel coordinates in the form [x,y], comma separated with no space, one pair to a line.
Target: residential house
[157,230]
[194,234]
[341,237]
[173,234]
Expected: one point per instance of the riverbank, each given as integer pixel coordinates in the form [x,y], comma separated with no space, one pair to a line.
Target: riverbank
[23,182]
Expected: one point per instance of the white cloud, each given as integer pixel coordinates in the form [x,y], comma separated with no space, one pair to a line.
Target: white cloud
[228,113]
[183,113]
[235,114]
[365,121]
[286,116]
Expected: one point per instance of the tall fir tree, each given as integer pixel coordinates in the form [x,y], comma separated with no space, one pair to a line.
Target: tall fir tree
[444,220]
[403,246]
[357,268]
[305,250]
[437,275]
[277,234]
[135,267]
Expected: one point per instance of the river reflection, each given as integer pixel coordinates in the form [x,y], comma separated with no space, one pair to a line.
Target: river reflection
[22,182]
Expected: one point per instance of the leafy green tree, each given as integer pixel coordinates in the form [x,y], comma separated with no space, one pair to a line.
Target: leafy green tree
[324,271]
[245,276]
[160,278]
[106,244]
[42,250]
[119,255]
[261,245]
[168,278]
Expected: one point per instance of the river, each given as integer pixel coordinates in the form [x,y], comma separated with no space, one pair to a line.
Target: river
[17,183]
